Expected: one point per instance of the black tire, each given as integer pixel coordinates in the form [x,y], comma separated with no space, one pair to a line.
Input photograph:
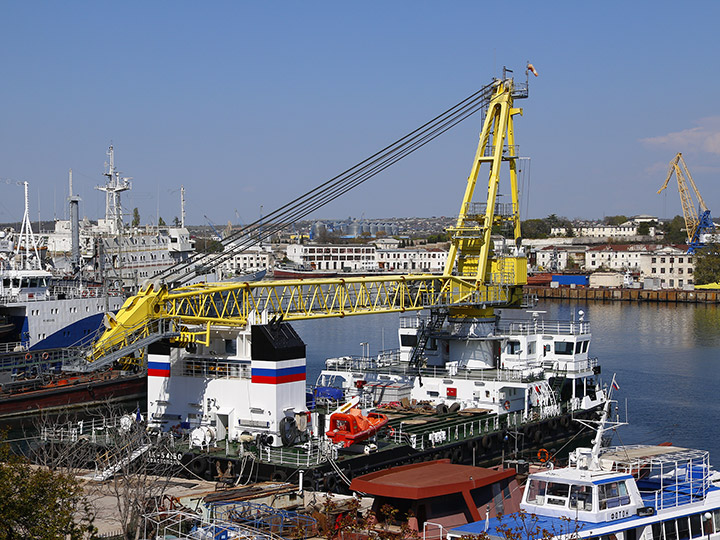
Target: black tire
[278,476]
[457,455]
[441,409]
[198,466]
[486,441]
[455,407]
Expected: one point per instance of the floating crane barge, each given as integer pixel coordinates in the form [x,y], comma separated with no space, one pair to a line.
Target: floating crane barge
[227,372]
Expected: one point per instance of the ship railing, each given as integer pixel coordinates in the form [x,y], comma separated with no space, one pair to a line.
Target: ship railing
[391,371]
[520,327]
[314,452]
[14,346]
[431,438]
[526,327]
[560,367]
[185,525]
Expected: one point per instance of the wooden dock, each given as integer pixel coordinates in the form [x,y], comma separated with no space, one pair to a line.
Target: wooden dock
[627,295]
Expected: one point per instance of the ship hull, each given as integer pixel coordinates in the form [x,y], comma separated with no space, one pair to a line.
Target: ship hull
[73,392]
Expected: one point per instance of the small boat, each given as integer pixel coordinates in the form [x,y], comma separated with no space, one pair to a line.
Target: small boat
[348,425]
[625,493]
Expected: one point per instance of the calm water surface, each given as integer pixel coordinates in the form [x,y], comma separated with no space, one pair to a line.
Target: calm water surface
[666,357]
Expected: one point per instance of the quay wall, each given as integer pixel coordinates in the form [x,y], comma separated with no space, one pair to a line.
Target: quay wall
[627,295]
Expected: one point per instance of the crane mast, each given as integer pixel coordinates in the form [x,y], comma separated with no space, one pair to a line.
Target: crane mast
[478,276]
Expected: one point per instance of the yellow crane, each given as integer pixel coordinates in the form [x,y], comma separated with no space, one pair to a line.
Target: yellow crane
[696,224]
[477,276]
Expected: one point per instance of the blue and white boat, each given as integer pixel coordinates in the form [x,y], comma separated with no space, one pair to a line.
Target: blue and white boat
[620,493]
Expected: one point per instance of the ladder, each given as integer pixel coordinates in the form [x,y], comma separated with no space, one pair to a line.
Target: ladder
[437,318]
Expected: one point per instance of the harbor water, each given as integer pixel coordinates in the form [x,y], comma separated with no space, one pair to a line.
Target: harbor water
[666,357]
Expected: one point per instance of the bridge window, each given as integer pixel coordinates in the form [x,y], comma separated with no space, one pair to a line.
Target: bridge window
[563,347]
[513,347]
[557,494]
[581,497]
[536,492]
[614,494]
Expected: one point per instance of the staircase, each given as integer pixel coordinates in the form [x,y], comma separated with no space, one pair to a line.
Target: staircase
[437,318]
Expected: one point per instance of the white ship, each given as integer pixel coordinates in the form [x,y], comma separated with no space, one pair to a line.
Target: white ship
[56,287]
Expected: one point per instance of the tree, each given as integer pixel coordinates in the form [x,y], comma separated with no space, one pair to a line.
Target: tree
[707,265]
[615,220]
[643,228]
[38,502]
[674,230]
[136,217]
[161,222]
[176,221]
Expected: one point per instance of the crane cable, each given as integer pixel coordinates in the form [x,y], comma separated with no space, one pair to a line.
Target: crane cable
[337,186]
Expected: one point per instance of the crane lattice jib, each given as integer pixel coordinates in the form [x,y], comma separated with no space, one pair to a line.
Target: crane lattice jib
[474,281]
[683,176]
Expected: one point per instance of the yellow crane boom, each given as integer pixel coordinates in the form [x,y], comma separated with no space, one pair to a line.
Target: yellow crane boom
[473,282]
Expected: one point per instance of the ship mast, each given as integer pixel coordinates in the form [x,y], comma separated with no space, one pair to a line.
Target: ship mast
[26,240]
[113,188]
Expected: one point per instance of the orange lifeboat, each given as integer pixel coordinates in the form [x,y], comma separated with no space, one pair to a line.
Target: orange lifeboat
[351,426]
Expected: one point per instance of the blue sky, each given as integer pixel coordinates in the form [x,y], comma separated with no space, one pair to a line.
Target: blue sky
[253,103]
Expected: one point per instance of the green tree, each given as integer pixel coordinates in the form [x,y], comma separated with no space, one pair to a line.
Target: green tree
[161,222]
[36,502]
[136,217]
[615,220]
[535,228]
[674,230]
[176,221]
[707,265]
[643,228]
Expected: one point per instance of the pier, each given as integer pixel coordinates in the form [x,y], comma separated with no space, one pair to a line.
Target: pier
[621,294]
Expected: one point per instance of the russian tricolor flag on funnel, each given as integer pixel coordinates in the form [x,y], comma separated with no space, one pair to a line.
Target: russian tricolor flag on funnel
[158,368]
[281,372]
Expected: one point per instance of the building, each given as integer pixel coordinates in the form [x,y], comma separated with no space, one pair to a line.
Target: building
[412,259]
[340,257]
[671,265]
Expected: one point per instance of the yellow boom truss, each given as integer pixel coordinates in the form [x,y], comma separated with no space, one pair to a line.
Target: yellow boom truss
[472,283]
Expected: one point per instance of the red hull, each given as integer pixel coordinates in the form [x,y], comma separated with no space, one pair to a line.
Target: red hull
[76,391]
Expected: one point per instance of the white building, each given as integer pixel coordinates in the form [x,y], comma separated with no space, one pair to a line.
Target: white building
[341,257]
[671,265]
[412,259]
[250,260]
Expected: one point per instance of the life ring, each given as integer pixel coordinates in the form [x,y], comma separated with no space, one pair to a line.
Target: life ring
[506,405]
[45,356]
[28,356]
[543,455]
[84,294]
[391,431]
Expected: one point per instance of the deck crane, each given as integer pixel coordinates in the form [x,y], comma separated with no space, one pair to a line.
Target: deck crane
[479,275]
[697,225]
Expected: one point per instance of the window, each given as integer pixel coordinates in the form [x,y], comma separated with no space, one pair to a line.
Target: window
[557,494]
[662,270]
[536,492]
[613,494]
[563,347]
[581,497]
[513,347]
[653,260]
[653,270]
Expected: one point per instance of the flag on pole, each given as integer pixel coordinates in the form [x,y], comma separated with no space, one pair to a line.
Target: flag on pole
[615,385]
